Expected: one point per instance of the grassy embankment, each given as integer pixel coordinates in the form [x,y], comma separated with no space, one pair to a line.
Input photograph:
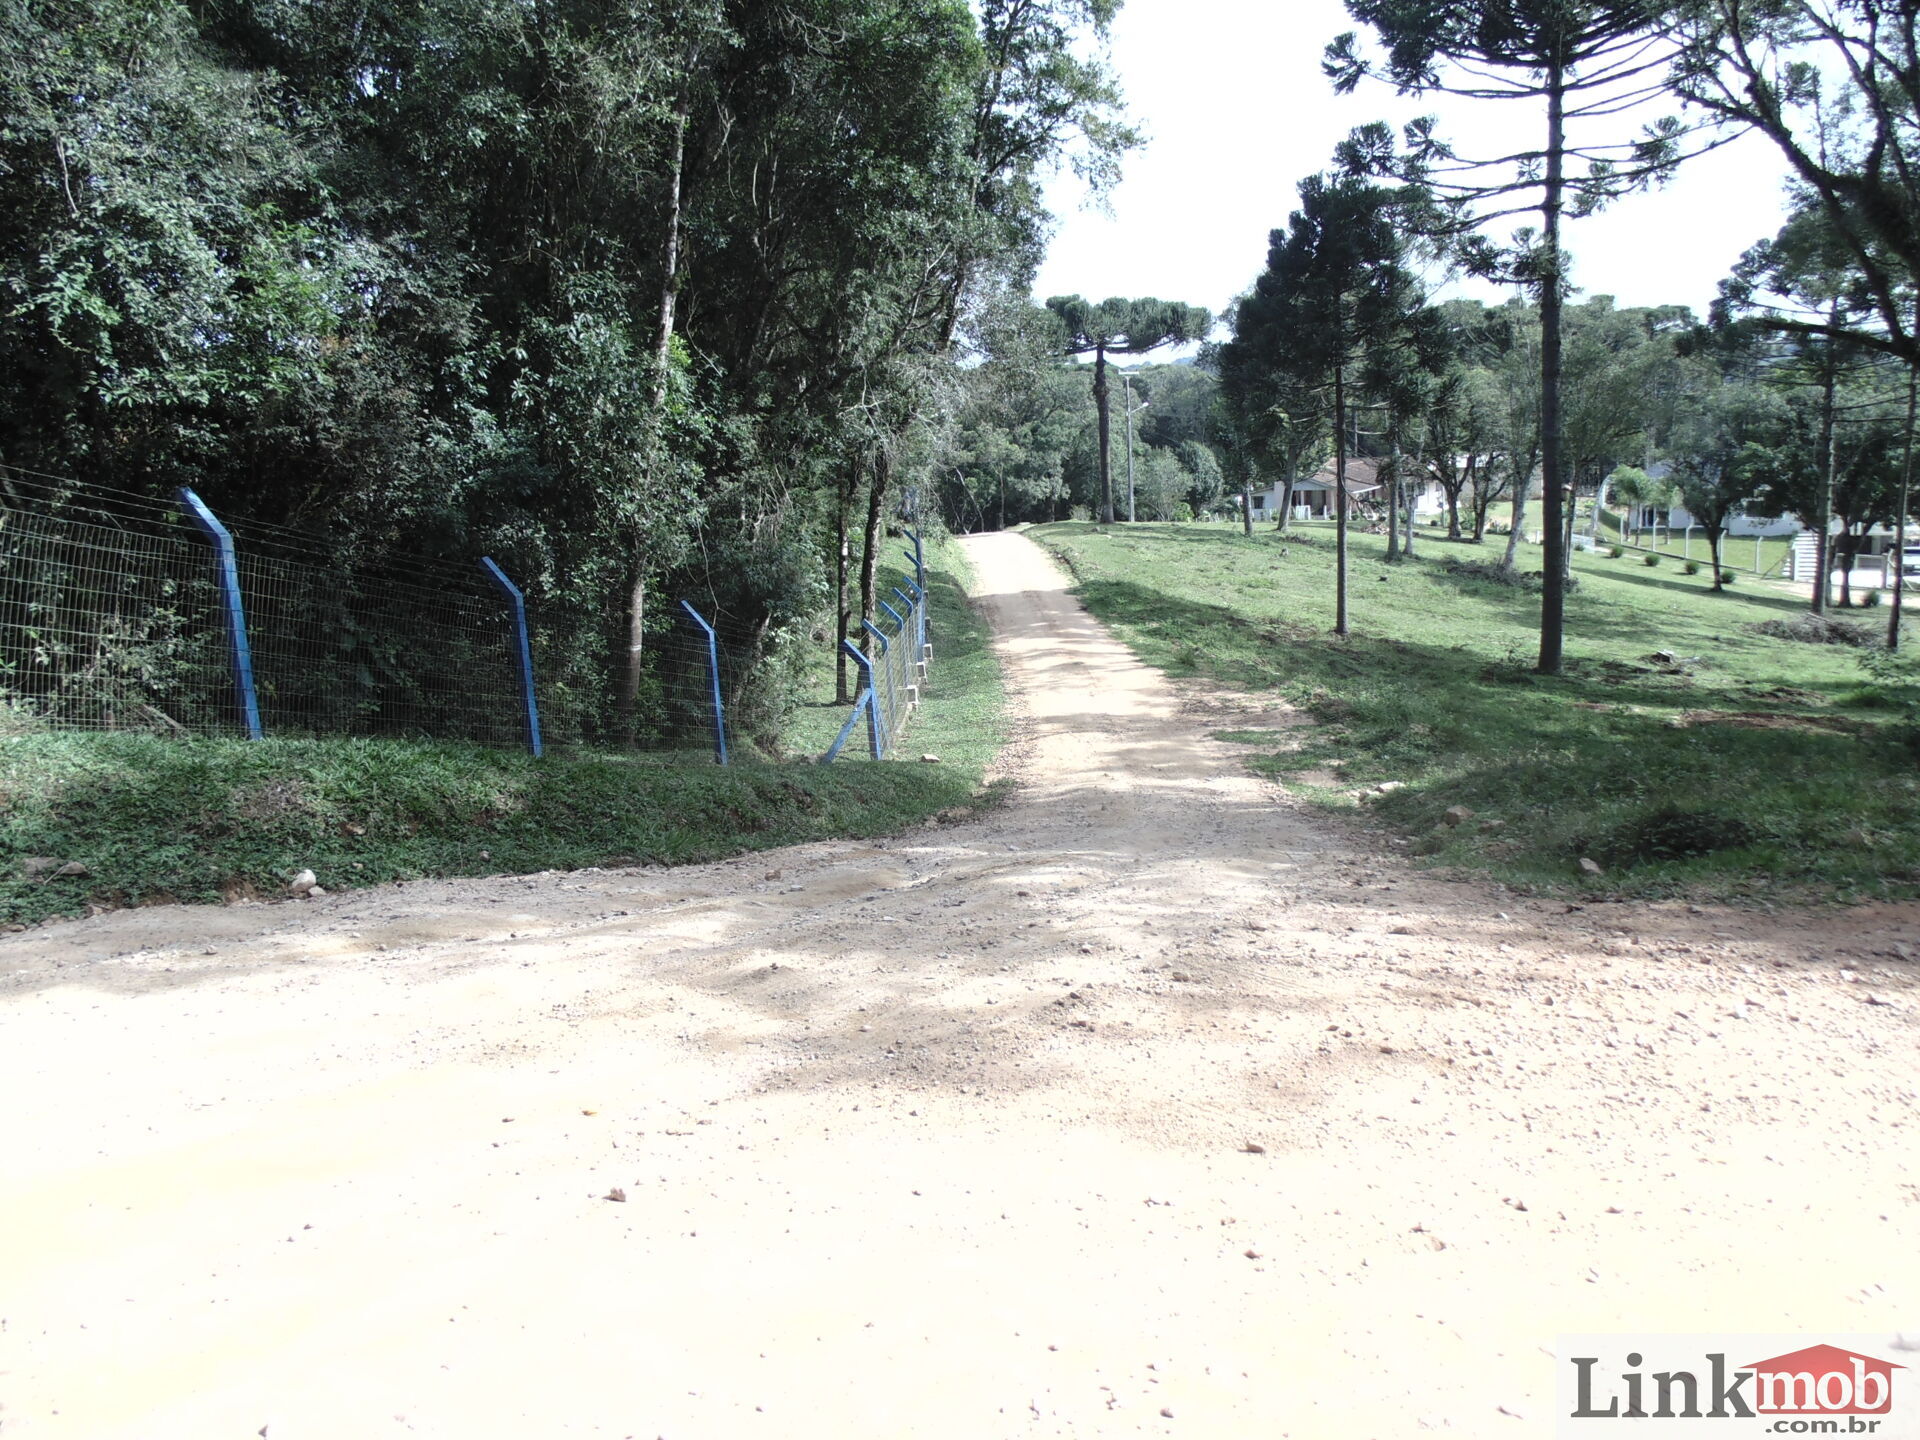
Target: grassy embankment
[153,819]
[1753,767]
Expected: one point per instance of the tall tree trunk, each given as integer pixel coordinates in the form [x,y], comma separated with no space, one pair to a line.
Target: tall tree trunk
[1906,490]
[1553,592]
[1106,460]
[1286,504]
[842,564]
[1713,553]
[1566,545]
[657,400]
[1391,492]
[1340,499]
[1246,506]
[870,553]
[1823,547]
[1522,483]
[1408,493]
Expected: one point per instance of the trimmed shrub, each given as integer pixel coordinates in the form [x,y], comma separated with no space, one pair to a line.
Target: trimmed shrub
[1692,567]
[1651,561]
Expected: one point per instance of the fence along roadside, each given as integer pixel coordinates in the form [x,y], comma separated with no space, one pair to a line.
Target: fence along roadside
[121,612]
[893,679]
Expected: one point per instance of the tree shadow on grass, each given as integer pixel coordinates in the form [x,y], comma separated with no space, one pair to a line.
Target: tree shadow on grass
[1189,638]
[1704,590]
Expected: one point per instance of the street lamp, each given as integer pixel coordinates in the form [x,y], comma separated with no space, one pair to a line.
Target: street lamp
[1126,384]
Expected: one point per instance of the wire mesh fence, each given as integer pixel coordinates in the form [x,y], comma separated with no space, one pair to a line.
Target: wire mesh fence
[681,706]
[337,652]
[131,612]
[109,615]
[892,661]
[127,612]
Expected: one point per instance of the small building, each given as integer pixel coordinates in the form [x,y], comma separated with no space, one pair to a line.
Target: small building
[1739,526]
[1314,499]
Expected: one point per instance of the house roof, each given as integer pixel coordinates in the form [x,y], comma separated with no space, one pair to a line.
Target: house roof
[1361,475]
[1354,487]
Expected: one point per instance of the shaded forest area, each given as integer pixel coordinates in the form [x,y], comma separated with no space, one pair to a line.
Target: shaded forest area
[646,300]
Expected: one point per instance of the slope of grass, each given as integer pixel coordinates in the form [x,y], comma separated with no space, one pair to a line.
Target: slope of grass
[1749,766]
[149,819]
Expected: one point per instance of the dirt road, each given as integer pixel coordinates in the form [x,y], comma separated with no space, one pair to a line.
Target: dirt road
[1142,1105]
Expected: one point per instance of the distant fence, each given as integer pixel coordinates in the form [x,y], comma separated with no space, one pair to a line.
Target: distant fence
[124,612]
[892,659]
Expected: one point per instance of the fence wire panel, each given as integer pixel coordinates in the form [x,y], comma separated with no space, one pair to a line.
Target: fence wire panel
[895,650]
[674,709]
[110,615]
[113,617]
[343,653]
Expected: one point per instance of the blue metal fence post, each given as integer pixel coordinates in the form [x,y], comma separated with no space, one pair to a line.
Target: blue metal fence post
[875,724]
[713,677]
[518,603]
[886,707]
[864,701]
[919,558]
[916,618]
[227,569]
[864,705]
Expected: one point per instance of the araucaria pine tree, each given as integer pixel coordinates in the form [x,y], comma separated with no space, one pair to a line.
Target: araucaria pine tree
[1118,326]
[1335,293]
[1585,60]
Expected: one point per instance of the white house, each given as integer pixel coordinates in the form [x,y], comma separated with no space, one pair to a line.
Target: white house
[1314,498]
[1740,524]
[1677,516]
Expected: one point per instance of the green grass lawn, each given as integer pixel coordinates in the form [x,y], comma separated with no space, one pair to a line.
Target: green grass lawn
[151,819]
[1755,767]
[1736,552]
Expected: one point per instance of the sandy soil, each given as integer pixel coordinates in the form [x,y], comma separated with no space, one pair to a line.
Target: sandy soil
[1142,1105]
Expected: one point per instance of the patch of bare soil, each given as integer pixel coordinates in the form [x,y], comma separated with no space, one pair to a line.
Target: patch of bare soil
[1141,1105]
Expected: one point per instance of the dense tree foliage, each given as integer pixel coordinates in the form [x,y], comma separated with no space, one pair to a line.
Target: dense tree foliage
[646,298]
[1120,326]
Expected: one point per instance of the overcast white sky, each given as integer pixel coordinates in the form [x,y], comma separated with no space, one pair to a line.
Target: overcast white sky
[1236,112]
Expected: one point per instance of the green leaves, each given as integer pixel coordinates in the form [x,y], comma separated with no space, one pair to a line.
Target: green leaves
[1119,326]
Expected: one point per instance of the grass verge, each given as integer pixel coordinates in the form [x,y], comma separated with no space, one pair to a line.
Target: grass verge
[149,820]
[1740,766]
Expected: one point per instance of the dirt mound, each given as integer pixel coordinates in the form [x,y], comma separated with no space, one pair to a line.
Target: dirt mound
[1815,629]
